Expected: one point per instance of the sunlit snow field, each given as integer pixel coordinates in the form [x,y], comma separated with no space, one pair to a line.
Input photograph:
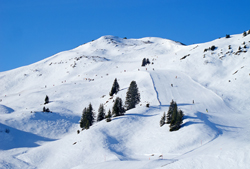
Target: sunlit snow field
[217,81]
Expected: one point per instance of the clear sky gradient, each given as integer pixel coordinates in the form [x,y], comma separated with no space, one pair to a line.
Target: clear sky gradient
[31,30]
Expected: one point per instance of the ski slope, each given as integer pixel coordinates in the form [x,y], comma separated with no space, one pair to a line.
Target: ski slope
[217,138]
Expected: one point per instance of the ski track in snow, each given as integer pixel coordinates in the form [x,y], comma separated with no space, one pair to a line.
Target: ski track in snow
[155,90]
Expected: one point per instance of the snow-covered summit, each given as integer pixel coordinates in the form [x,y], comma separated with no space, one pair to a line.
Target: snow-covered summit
[214,74]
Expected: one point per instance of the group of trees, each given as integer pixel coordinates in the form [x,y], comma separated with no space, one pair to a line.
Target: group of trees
[46,101]
[145,62]
[212,48]
[132,98]
[46,110]
[174,117]
[246,33]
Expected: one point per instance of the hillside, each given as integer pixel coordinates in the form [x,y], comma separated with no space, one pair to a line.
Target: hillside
[216,79]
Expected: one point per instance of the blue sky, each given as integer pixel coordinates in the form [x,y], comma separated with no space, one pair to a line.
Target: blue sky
[31,30]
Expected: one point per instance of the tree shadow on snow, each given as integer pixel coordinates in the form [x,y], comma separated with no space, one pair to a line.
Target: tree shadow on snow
[141,115]
[124,88]
[18,139]
[115,146]
[190,123]
[55,116]
[184,104]
[167,105]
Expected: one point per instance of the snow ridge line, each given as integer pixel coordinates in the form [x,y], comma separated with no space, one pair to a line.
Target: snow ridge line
[155,89]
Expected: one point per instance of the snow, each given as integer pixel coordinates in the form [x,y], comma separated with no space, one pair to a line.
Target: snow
[72,79]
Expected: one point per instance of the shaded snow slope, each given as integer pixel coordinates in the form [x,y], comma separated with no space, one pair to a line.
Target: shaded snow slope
[216,80]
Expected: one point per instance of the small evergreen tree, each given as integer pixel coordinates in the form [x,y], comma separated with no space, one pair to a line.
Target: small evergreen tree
[163,119]
[248,32]
[227,36]
[213,48]
[108,117]
[115,88]
[118,109]
[144,62]
[46,100]
[101,113]
[133,96]
[148,62]
[244,34]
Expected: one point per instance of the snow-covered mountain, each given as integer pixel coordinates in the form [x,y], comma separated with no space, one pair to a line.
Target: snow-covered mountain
[216,75]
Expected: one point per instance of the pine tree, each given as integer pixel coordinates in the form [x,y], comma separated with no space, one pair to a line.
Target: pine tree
[87,118]
[248,32]
[244,34]
[87,125]
[163,119]
[118,109]
[213,48]
[227,36]
[133,96]
[101,113]
[83,120]
[177,119]
[46,100]
[108,117]
[170,111]
[148,62]
[115,88]
[90,115]
[144,62]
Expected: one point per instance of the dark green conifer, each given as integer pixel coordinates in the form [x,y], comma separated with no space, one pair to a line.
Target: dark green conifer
[133,96]
[108,117]
[144,62]
[101,113]
[163,119]
[90,115]
[148,62]
[115,88]
[177,119]
[118,109]
[46,100]
[83,120]
[87,118]
[244,34]
[87,125]
[170,111]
